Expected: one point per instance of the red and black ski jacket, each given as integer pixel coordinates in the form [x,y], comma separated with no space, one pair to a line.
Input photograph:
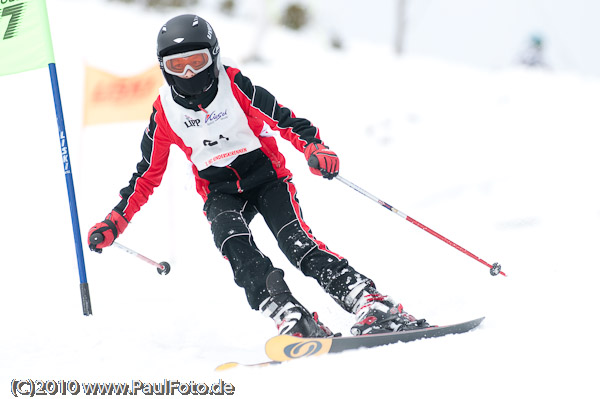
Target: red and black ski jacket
[255,112]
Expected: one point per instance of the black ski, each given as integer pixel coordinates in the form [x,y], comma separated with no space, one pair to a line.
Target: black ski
[286,347]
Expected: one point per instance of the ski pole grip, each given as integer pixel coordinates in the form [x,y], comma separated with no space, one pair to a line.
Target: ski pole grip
[96,238]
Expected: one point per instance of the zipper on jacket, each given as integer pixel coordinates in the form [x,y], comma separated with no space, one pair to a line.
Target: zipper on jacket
[239,187]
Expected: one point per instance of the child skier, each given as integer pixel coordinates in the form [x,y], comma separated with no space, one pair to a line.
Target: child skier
[223,123]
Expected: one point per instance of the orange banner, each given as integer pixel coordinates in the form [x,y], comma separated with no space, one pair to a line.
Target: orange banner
[110,98]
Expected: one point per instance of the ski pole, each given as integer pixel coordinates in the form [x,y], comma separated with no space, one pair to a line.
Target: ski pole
[161,268]
[494,269]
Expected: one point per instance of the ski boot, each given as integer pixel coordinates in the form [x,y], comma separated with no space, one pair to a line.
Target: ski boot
[376,313]
[289,315]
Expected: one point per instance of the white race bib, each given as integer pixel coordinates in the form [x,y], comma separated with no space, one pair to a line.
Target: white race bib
[218,134]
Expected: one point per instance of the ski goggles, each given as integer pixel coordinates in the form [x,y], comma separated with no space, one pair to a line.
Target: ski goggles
[195,61]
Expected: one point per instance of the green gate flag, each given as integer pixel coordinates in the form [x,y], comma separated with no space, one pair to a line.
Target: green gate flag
[25,41]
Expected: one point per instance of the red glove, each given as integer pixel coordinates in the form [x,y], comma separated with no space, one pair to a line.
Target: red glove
[322,161]
[110,228]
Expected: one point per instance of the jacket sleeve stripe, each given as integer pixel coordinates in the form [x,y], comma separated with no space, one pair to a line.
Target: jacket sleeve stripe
[148,174]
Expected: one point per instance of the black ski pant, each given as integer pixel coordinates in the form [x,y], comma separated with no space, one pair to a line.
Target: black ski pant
[230,216]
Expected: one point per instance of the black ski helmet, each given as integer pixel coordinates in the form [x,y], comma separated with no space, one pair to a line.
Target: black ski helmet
[186,33]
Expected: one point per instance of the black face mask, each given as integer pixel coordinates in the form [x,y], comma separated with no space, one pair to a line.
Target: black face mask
[195,85]
[194,102]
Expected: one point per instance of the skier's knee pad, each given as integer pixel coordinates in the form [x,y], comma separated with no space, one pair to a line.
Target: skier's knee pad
[226,225]
[295,243]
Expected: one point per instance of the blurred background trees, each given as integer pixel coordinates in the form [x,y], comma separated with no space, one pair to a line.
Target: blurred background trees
[473,32]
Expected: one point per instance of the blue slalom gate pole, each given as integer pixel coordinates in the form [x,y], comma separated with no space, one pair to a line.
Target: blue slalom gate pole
[84,288]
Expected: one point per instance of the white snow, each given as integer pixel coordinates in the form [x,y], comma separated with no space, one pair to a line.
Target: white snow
[504,162]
